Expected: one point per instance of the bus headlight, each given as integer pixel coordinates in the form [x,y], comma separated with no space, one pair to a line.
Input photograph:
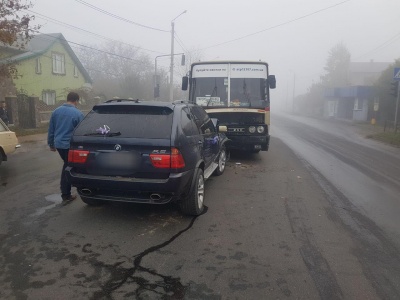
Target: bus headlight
[252,129]
[260,129]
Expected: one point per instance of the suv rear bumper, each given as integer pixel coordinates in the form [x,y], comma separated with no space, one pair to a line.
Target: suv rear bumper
[135,190]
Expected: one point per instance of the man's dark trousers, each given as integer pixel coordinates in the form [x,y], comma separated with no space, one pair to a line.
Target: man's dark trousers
[64,183]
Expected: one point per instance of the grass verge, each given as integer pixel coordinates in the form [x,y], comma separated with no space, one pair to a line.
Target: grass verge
[386,137]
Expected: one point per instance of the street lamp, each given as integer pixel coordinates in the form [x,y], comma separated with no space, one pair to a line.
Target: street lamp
[171,82]
[157,77]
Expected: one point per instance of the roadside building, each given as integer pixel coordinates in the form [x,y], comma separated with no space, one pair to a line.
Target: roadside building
[47,70]
[357,100]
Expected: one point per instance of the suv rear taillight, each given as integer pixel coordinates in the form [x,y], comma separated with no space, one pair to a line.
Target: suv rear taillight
[78,156]
[174,160]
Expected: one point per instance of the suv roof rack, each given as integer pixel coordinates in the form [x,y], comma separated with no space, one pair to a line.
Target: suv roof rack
[121,100]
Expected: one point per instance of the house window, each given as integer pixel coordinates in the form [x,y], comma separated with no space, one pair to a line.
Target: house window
[49,97]
[357,104]
[58,63]
[38,66]
[75,71]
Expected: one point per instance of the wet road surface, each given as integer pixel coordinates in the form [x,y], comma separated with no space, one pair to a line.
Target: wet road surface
[365,171]
[276,227]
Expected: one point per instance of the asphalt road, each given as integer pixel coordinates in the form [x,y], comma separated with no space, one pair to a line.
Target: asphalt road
[279,225]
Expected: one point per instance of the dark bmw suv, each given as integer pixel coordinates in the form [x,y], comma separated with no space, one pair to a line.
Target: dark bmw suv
[146,152]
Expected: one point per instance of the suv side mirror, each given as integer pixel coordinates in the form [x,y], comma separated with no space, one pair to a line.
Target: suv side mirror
[271,81]
[185,83]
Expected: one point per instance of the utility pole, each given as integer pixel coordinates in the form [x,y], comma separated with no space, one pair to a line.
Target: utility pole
[171,70]
[294,86]
[156,81]
[396,78]
[397,107]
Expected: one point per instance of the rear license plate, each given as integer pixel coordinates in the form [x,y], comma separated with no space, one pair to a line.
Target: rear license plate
[118,160]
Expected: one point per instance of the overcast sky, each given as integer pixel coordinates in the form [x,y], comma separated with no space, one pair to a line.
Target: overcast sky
[293,36]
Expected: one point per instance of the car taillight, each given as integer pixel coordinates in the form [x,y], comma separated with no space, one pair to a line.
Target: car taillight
[78,156]
[174,160]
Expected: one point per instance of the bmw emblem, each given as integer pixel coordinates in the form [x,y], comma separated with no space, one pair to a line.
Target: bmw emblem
[117,147]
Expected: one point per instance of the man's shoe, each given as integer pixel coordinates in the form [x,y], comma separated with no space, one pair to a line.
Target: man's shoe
[68,197]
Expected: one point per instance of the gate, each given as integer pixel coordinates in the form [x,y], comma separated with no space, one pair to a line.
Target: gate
[26,111]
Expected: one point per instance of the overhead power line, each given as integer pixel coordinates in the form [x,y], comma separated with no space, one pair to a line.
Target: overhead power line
[276,26]
[92,48]
[180,42]
[118,17]
[383,45]
[86,31]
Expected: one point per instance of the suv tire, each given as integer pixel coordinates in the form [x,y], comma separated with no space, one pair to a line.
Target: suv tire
[222,158]
[193,203]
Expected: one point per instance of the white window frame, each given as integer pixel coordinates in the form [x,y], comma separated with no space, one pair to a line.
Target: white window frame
[49,97]
[58,63]
[38,66]
[76,73]
[358,104]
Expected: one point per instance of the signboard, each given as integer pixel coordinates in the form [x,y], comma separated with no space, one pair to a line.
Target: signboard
[396,74]
[248,71]
[210,70]
[232,70]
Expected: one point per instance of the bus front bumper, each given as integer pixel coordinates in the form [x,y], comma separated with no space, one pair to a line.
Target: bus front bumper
[248,142]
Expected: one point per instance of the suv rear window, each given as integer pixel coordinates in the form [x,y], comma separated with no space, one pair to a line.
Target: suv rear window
[128,121]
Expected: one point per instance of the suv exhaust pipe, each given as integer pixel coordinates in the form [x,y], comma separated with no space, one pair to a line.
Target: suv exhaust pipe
[86,192]
[155,197]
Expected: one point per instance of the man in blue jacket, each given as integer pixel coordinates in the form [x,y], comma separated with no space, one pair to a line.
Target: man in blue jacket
[63,121]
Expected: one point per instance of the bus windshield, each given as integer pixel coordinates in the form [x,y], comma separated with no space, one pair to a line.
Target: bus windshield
[244,92]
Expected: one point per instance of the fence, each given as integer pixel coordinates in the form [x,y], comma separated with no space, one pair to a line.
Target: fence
[391,126]
[28,112]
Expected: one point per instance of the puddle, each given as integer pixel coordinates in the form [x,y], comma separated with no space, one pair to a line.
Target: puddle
[55,198]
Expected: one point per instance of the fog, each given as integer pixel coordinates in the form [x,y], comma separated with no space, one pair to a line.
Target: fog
[294,37]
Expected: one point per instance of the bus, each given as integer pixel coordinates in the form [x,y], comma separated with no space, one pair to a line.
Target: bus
[237,93]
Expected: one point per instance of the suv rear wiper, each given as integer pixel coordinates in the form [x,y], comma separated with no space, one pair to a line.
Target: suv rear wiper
[108,134]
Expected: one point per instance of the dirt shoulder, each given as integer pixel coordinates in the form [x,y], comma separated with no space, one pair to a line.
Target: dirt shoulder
[32,138]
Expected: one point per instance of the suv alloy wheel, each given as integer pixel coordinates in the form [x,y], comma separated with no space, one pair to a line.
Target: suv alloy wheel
[193,203]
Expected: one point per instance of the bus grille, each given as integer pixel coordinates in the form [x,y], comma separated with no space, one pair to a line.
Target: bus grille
[237,130]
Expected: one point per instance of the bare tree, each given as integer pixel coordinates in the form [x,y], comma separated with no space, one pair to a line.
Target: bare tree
[336,75]
[16,30]
[386,93]
[337,67]
[119,70]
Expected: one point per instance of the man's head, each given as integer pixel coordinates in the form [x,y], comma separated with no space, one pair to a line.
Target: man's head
[73,98]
